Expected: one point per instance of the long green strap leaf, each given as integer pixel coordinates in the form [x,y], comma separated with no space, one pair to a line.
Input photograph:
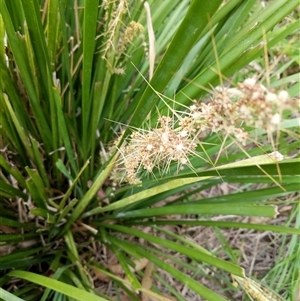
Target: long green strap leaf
[203,209]
[196,286]
[145,194]
[86,199]
[56,285]
[5,295]
[63,131]
[188,251]
[25,75]
[249,37]
[187,35]
[89,30]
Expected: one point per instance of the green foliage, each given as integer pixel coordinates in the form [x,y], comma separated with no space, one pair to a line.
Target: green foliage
[76,81]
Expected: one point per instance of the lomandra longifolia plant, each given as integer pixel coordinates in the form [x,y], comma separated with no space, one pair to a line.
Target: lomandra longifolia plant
[118,127]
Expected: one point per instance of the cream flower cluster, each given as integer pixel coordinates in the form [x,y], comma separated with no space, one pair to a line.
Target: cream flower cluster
[175,139]
[155,148]
[250,104]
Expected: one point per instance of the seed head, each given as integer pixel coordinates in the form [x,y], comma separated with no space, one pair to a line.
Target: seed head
[174,139]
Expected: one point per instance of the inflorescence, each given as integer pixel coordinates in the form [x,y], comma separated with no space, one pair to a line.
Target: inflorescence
[175,139]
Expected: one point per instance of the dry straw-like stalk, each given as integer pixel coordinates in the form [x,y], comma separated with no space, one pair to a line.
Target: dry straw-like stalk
[254,290]
[118,36]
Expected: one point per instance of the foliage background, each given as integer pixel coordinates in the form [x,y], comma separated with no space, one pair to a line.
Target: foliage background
[70,81]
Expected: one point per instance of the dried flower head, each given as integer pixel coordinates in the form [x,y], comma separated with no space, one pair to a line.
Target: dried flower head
[250,104]
[114,10]
[255,290]
[130,33]
[118,35]
[175,138]
[159,147]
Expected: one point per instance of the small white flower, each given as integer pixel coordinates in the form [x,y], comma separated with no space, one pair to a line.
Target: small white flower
[149,167]
[271,97]
[179,147]
[183,161]
[276,156]
[196,115]
[234,92]
[149,147]
[255,95]
[245,110]
[250,81]
[183,134]
[276,119]
[283,96]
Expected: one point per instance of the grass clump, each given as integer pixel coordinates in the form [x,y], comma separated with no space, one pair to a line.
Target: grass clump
[117,118]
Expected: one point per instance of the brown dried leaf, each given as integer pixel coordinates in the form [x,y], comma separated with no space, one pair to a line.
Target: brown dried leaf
[147,280]
[139,265]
